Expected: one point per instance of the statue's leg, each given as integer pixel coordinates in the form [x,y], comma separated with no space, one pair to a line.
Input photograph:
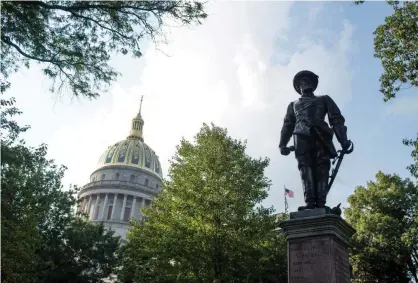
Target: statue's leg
[322,167]
[304,156]
[307,184]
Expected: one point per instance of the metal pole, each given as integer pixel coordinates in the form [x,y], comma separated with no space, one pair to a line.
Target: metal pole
[285,201]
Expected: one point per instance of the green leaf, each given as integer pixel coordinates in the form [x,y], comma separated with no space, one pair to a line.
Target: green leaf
[385,216]
[208,224]
[43,240]
[74,40]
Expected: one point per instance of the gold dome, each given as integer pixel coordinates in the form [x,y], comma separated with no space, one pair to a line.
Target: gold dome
[132,151]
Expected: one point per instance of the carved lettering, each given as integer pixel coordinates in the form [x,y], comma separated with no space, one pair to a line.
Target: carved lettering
[342,266]
[309,261]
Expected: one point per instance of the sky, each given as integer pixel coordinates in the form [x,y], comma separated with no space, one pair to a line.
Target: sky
[236,70]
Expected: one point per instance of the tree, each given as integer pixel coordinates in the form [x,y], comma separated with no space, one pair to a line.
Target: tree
[43,240]
[396,45]
[413,168]
[385,215]
[74,39]
[208,225]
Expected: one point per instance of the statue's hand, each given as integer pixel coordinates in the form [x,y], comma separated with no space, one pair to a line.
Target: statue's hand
[284,150]
[345,144]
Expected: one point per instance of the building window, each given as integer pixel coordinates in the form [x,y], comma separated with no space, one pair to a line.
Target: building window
[146,182]
[127,214]
[103,176]
[94,178]
[132,178]
[157,186]
[117,176]
[109,212]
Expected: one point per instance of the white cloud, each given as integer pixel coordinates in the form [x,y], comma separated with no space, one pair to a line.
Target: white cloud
[403,106]
[315,11]
[223,72]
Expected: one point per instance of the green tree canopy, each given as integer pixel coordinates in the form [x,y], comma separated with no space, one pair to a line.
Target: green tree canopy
[396,45]
[75,39]
[208,225]
[413,168]
[43,240]
[385,215]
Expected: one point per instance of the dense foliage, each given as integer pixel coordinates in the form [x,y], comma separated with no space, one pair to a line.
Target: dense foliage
[42,239]
[208,224]
[396,45]
[385,215]
[75,39]
[413,168]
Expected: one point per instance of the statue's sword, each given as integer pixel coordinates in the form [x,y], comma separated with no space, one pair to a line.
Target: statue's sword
[339,159]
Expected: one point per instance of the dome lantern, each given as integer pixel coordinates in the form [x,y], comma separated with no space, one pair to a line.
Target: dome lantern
[137,125]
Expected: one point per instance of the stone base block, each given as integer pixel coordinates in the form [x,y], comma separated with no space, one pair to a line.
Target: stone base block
[317,248]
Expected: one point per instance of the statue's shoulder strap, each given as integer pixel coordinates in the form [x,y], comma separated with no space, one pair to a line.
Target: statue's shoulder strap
[292,105]
[323,96]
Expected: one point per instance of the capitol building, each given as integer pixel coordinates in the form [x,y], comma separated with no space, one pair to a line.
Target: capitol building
[127,178]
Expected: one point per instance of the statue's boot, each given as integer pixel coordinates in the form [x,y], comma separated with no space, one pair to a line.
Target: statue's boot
[322,176]
[308,188]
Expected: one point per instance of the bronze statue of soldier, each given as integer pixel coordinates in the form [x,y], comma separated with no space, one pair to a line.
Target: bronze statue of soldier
[313,146]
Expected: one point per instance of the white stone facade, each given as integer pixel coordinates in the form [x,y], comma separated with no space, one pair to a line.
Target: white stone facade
[116,194]
[128,178]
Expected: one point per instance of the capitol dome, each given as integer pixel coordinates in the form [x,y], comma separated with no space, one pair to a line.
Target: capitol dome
[131,152]
[128,177]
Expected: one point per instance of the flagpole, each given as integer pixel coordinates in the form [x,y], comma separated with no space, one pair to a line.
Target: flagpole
[285,205]
[285,201]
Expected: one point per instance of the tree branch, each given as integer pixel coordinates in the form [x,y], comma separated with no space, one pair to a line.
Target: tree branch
[55,62]
[100,25]
[8,42]
[88,6]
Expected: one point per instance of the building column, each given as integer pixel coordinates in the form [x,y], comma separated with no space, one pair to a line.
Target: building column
[80,204]
[88,206]
[104,207]
[133,207]
[83,204]
[142,206]
[115,198]
[122,213]
[95,206]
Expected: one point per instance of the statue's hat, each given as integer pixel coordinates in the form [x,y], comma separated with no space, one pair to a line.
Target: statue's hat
[305,74]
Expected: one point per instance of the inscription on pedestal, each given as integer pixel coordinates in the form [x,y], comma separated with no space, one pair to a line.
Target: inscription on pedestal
[309,261]
[342,267]
[318,249]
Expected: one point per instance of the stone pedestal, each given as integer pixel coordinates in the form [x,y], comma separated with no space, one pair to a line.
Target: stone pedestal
[317,247]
